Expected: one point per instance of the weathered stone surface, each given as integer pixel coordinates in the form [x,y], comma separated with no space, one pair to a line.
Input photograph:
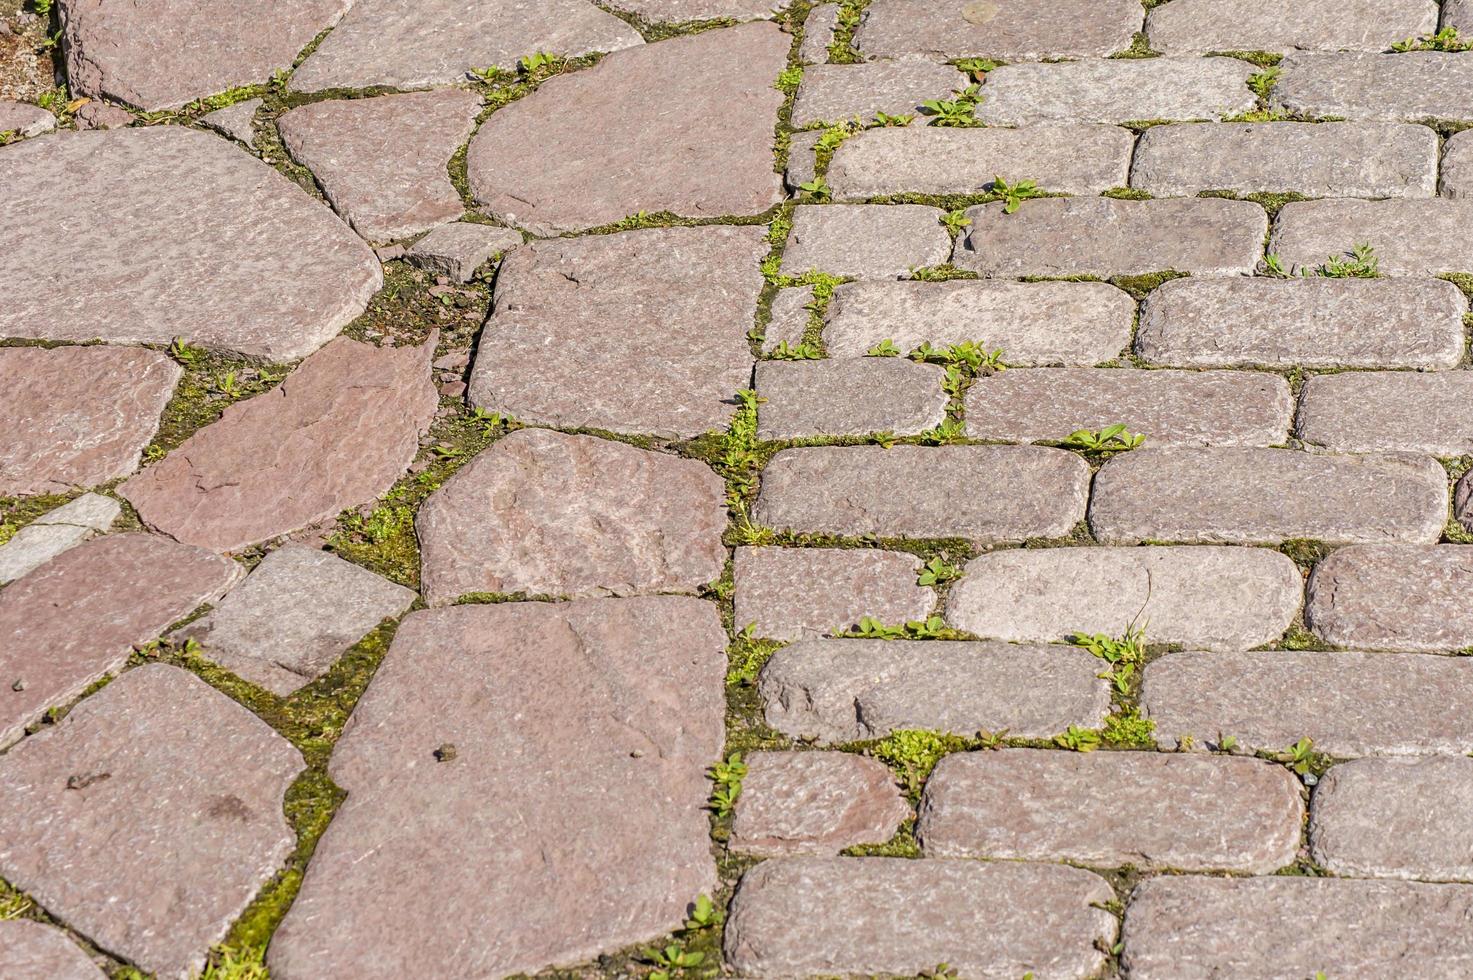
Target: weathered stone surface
[802,160]
[76,618]
[545,513]
[789,318]
[1116,91]
[562,817]
[1458,14]
[1409,87]
[789,593]
[1391,597]
[1374,411]
[1203,598]
[55,532]
[815,803]
[644,331]
[32,951]
[1332,159]
[1100,236]
[621,147]
[1010,30]
[1457,166]
[237,121]
[1266,496]
[78,416]
[1170,408]
[1184,812]
[458,250]
[851,916]
[684,11]
[1032,323]
[337,433]
[1410,238]
[102,115]
[221,250]
[24,119]
[836,93]
[850,396]
[1199,26]
[382,162]
[819,29]
[842,690]
[865,241]
[422,43]
[1065,159]
[1349,704]
[925,492]
[1244,322]
[1395,818]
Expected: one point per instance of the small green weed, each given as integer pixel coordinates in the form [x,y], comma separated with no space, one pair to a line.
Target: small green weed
[703,915]
[914,752]
[883,120]
[957,111]
[1359,263]
[1111,439]
[870,628]
[802,352]
[817,188]
[1078,739]
[538,61]
[967,354]
[671,960]
[956,222]
[885,348]
[728,776]
[1126,728]
[1262,82]
[938,571]
[228,963]
[1300,756]
[1014,194]
[1447,39]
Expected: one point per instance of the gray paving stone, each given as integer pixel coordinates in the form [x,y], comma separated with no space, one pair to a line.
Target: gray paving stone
[1390,597]
[1116,91]
[24,119]
[1199,26]
[1203,597]
[457,250]
[802,161]
[102,115]
[865,241]
[815,803]
[1410,238]
[1266,496]
[819,29]
[30,950]
[1261,322]
[1458,14]
[789,318]
[1375,411]
[1009,30]
[149,817]
[1409,87]
[790,593]
[842,690]
[237,121]
[1181,812]
[54,532]
[1332,159]
[1457,167]
[848,397]
[563,816]
[685,11]
[836,93]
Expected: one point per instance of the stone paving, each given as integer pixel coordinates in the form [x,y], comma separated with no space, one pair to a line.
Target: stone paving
[668,489]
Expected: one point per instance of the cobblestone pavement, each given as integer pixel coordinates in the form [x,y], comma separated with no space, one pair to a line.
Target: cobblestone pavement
[677,488]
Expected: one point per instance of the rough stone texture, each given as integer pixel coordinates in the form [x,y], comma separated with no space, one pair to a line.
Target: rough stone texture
[836,93]
[1199,26]
[1203,598]
[1032,323]
[382,162]
[1457,166]
[819,30]
[922,492]
[641,332]
[1410,323]
[1078,236]
[458,250]
[685,11]
[789,318]
[1463,502]
[78,617]
[32,951]
[865,241]
[423,43]
[1009,30]
[55,532]
[337,433]
[78,416]
[1409,87]
[221,250]
[848,916]
[1410,238]
[802,159]
[237,121]
[1393,598]
[1395,818]
[1064,159]
[1349,704]
[621,147]
[1458,14]
[1332,159]
[100,115]
[24,119]
[1170,408]
[815,803]
[569,821]
[1374,411]
[842,690]
[1267,496]
[545,513]
[1116,91]
[790,593]
[1183,812]
[848,397]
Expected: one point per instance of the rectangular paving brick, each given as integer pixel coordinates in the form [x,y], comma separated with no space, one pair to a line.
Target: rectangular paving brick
[815,803]
[1007,31]
[1410,238]
[1394,597]
[850,396]
[1116,91]
[838,93]
[1373,411]
[1457,166]
[1409,87]
[1199,26]
[788,593]
[865,241]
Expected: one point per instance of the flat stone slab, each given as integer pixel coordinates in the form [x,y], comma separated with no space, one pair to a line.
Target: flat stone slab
[470,840]
[1375,411]
[843,690]
[30,950]
[1203,597]
[1009,30]
[685,11]
[923,492]
[1181,812]
[615,132]
[1262,322]
[1410,238]
[837,93]
[847,916]
[1457,167]
[1116,91]
[457,250]
[865,241]
[149,817]
[1170,408]
[790,593]
[788,319]
[25,120]
[848,397]
[237,121]
[1267,496]
[337,433]
[78,416]
[1390,597]
[1408,87]
[640,332]
[382,162]
[544,513]
[1199,26]
[1101,236]
[1349,704]
[819,30]
[815,803]
[1332,159]
[54,532]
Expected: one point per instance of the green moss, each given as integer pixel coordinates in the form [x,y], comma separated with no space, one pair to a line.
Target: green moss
[914,752]
[1462,280]
[1270,202]
[13,904]
[902,845]
[841,49]
[212,382]
[1126,729]
[1140,47]
[1306,552]
[1263,59]
[17,512]
[1139,286]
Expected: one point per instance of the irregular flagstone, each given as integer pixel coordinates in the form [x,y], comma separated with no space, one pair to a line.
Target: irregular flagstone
[1009,30]
[865,241]
[837,93]
[790,593]
[1410,238]
[819,30]
[458,250]
[78,416]
[815,803]
[1375,411]
[1457,165]
[149,817]
[23,119]
[850,916]
[237,121]
[55,532]
[78,617]
[470,843]
[1393,598]
[382,162]
[1182,812]
[1199,26]
[850,396]
[30,950]
[640,332]
[221,250]
[842,690]
[1408,87]
[1116,91]
[621,147]
[1267,496]
[1203,597]
[685,11]
[336,433]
